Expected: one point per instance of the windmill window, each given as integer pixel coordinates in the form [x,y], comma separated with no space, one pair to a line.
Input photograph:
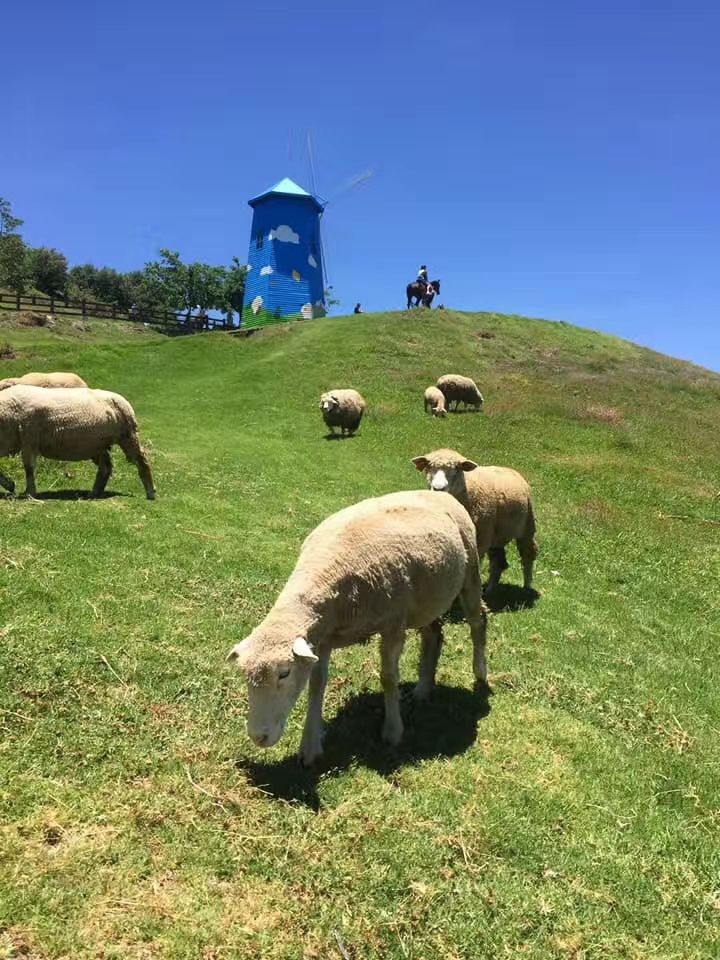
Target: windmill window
[259,240]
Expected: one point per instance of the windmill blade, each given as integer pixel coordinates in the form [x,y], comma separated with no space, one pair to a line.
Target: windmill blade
[353,183]
[311,162]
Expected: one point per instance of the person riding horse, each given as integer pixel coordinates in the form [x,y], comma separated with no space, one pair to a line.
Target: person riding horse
[422,276]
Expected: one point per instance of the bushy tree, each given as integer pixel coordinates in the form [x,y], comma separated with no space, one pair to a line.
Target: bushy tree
[8,223]
[13,252]
[233,289]
[47,270]
[185,286]
[13,263]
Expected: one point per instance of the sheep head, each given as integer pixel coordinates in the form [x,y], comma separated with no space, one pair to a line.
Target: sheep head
[276,675]
[328,402]
[445,470]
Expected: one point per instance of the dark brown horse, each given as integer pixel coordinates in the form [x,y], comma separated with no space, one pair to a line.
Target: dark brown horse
[422,295]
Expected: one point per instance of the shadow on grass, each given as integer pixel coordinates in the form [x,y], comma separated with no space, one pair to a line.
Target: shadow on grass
[78,495]
[340,436]
[509,598]
[442,726]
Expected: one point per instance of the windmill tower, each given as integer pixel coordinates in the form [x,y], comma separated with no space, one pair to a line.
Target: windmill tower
[286,274]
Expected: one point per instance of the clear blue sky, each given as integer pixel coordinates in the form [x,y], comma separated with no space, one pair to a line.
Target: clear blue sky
[557,159]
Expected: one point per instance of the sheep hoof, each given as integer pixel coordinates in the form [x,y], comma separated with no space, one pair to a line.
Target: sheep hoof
[309,754]
[422,691]
[392,734]
[151,494]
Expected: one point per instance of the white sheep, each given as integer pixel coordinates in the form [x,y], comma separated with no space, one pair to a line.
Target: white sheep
[69,424]
[44,380]
[458,389]
[435,401]
[382,566]
[498,500]
[342,408]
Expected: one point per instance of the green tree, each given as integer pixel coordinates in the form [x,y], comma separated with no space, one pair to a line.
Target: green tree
[185,286]
[8,223]
[233,289]
[47,270]
[13,263]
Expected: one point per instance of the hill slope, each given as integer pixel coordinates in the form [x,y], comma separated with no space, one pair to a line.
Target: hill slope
[578,818]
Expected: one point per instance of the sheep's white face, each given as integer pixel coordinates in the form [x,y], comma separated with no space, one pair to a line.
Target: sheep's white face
[328,403]
[446,474]
[273,689]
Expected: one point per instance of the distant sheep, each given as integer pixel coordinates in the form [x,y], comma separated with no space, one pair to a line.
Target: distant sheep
[497,499]
[69,424]
[342,408]
[383,566]
[435,401]
[44,380]
[457,389]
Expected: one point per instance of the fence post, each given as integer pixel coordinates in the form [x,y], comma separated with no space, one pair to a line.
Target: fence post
[113,312]
[17,299]
[52,304]
[84,310]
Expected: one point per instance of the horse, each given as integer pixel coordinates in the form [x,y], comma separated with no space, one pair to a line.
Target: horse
[422,295]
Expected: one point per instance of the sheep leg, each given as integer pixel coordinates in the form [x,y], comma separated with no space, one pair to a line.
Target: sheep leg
[498,563]
[311,743]
[130,446]
[391,648]
[28,459]
[476,615]
[7,483]
[528,550]
[104,465]
[432,639]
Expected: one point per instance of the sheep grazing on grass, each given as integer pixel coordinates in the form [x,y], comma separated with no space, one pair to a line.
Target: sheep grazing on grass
[44,380]
[69,424]
[344,409]
[435,401]
[457,390]
[497,499]
[382,566]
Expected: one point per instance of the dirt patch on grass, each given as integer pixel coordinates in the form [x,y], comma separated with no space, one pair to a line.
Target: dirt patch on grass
[604,413]
[7,352]
[598,511]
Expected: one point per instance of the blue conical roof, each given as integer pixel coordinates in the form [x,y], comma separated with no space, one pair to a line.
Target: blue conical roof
[286,188]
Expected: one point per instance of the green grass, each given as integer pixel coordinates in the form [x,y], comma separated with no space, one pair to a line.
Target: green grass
[578,818]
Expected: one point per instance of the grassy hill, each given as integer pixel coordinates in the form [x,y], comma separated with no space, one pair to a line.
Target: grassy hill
[578,818]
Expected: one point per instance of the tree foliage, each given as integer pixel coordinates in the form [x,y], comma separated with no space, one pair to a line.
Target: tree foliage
[47,270]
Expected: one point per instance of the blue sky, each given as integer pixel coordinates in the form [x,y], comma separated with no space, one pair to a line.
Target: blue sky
[556,159]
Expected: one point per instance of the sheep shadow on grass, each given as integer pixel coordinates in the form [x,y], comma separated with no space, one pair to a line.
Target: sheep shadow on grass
[509,598]
[340,436]
[77,495]
[444,725]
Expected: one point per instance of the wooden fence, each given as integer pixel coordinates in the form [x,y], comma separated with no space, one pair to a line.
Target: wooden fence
[61,306]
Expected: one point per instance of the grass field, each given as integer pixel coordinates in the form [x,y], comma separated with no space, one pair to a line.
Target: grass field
[576,814]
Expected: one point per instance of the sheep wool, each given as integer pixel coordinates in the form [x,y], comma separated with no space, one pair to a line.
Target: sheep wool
[69,424]
[458,389]
[382,566]
[44,380]
[435,402]
[344,409]
[499,502]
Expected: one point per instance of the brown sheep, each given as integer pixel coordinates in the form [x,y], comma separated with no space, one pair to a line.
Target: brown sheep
[498,501]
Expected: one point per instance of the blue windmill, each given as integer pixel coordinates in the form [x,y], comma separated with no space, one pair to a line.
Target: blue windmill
[287,272]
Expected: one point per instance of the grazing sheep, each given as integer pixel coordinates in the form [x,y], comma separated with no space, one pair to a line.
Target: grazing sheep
[69,424]
[459,389]
[497,499]
[435,401]
[44,380]
[381,566]
[344,409]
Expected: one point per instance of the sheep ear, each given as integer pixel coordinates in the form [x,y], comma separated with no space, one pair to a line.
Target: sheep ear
[334,398]
[235,652]
[468,465]
[421,463]
[302,650]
